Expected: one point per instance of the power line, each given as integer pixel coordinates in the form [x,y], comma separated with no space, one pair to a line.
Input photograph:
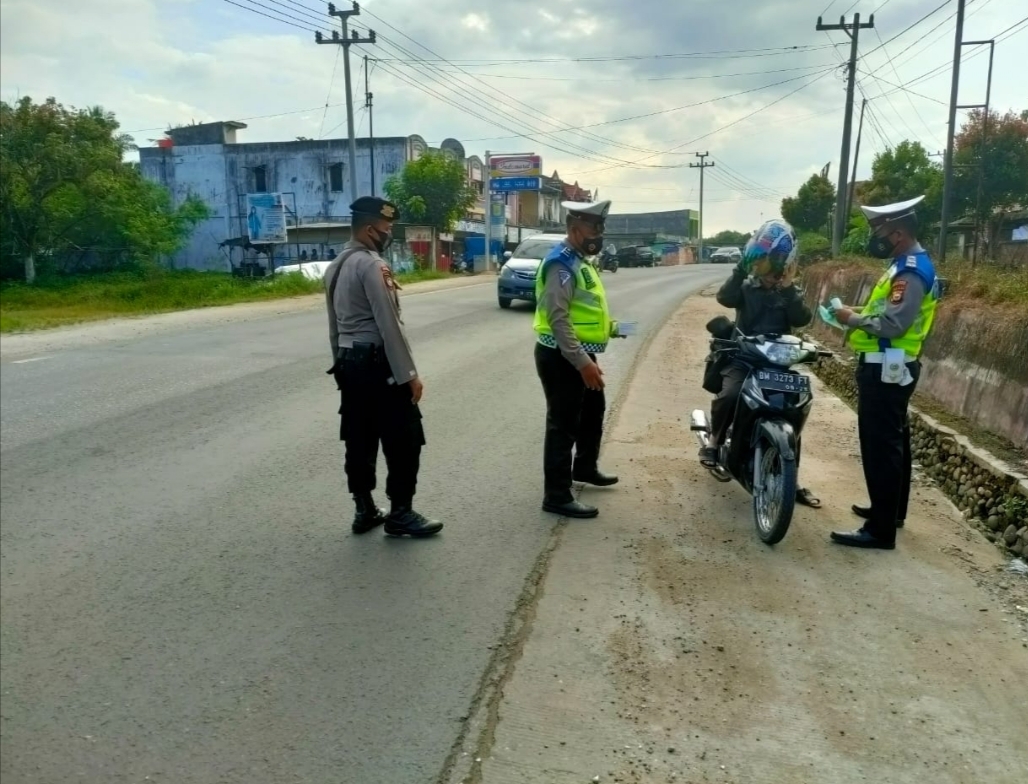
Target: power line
[331,84]
[723,54]
[896,73]
[635,79]
[733,122]
[286,20]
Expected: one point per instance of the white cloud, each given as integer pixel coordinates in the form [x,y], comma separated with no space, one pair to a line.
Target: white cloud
[159,64]
[475,22]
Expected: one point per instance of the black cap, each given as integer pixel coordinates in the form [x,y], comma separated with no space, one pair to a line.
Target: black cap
[375,207]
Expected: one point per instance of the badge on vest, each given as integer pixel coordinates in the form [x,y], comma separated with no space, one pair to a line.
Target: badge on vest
[912,262]
[587,276]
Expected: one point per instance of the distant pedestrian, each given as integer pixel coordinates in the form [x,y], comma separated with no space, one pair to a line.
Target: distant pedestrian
[573,325]
[887,336]
[375,372]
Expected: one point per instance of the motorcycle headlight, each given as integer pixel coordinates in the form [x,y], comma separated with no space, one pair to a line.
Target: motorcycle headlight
[785,354]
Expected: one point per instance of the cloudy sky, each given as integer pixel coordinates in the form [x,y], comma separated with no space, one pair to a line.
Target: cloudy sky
[616,94]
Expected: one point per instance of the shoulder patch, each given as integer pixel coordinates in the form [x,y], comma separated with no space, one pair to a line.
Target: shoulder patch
[388,278]
[563,276]
[899,288]
[912,262]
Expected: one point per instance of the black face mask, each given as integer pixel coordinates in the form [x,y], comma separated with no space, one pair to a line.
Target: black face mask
[592,245]
[880,247]
[381,241]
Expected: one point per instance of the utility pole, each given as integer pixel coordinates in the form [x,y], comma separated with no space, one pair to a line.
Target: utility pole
[701,166]
[371,123]
[947,183]
[851,29]
[346,40]
[856,158]
[487,193]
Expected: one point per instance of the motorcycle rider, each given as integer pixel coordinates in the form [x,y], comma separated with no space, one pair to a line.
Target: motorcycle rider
[766,300]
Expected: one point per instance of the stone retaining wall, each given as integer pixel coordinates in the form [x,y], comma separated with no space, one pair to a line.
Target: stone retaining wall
[992,497]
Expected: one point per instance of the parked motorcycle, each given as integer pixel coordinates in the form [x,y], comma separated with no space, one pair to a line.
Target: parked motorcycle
[762,446]
[609,259]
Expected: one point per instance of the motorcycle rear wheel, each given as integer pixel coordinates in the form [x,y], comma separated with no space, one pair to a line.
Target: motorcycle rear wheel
[774,493]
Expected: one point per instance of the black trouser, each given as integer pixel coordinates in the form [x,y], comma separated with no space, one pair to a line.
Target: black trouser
[574,419]
[722,408]
[372,411]
[884,426]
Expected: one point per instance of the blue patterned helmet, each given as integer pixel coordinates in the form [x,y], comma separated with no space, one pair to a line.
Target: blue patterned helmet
[771,250]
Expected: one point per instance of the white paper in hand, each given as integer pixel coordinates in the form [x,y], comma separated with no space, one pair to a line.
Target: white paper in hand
[627,328]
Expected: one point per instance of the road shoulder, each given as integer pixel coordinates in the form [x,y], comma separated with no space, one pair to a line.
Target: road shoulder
[669,644]
[14,346]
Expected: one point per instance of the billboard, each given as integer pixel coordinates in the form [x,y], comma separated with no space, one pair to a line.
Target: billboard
[265,218]
[515,166]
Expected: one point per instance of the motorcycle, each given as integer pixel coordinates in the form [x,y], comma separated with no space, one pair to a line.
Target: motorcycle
[609,259]
[762,445]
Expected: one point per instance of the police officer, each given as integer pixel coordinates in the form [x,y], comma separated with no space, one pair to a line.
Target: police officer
[573,325]
[376,375]
[887,336]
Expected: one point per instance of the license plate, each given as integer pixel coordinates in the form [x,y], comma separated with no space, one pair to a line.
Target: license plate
[782,382]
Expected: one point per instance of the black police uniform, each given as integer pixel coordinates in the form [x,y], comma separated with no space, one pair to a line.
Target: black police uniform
[373,367]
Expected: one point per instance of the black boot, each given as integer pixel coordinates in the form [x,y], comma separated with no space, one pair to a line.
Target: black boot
[368,515]
[404,521]
[865,512]
[593,476]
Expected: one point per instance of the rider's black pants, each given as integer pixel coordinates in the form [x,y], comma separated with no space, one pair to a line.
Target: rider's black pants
[722,409]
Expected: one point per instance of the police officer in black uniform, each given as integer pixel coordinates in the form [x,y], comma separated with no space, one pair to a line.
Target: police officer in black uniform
[375,372]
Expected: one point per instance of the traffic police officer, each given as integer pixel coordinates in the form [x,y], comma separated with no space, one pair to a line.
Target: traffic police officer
[887,336]
[573,325]
[373,367]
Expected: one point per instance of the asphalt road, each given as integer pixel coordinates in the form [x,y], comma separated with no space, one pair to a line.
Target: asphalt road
[181,597]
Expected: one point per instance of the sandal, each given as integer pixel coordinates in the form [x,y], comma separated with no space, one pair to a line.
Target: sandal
[807,498]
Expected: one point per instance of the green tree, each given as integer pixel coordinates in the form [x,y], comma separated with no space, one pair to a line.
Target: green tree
[65,190]
[728,238]
[810,208]
[433,190]
[999,166]
[902,173]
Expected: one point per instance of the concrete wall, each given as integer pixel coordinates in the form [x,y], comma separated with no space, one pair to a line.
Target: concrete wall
[975,361]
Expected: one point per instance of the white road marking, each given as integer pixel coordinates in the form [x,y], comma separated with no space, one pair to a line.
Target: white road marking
[31,359]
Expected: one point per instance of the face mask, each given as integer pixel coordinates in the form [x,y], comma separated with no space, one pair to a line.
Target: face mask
[592,245]
[381,241]
[880,247]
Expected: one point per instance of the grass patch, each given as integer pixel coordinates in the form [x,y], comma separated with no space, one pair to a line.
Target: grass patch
[61,301]
[986,283]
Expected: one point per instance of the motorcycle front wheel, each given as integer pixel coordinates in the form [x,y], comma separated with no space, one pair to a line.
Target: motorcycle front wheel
[774,493]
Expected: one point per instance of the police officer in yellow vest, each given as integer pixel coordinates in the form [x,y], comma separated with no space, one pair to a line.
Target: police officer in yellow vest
[573,325]
[887,336]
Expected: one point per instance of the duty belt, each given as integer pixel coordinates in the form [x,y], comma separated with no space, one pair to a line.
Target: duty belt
[590,348]
[878,358]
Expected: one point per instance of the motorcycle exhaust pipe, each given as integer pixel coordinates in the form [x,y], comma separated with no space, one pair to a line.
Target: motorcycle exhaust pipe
[699,424]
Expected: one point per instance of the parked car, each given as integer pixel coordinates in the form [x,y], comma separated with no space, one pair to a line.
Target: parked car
[517,276]
[635,256]
[726,256]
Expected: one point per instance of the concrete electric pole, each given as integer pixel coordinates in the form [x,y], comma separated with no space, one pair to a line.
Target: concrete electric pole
[346,40]
[851,29]
[371,123]
[701,166]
